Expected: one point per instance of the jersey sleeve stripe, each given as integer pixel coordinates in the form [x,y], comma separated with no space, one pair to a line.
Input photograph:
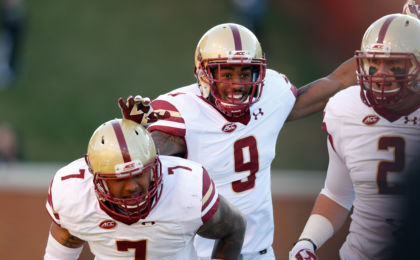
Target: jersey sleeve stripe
[169,124]
[162,105]
[210,201]
[208,188]
[209,194]
[173,113]
[51,214]
[209,211]
[174,116]
[49,205]
[167,129]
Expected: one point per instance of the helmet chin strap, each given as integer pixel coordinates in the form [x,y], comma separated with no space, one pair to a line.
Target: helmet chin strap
[230,113]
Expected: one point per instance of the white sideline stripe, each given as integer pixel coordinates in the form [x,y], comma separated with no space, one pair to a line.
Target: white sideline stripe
[27,176]
[297,183]
[33,176]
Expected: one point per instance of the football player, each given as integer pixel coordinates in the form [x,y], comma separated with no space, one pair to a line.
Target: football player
[229,121]
[411,8]
[127,202]
[373,136]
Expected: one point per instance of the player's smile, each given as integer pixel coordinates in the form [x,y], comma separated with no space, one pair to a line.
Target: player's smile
[231,82]
[237,96]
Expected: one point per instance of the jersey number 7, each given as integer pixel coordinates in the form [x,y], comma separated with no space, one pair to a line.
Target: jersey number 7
[139,248]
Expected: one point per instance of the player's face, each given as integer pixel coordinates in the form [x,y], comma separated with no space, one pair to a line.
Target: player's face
[385,74]
[232,76]
[130,187]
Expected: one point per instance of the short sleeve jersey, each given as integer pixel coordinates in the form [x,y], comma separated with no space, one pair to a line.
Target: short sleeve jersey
[189,198]
[237,155]
[368,159]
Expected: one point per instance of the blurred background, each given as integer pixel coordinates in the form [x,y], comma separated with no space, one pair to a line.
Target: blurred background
[64,64]
[77,57]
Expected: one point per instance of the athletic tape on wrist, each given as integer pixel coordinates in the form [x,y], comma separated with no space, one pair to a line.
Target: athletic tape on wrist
[318,230]
[308,240]
[55,250]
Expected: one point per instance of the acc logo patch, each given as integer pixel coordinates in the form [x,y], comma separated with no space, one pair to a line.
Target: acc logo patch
[370,119]
[229,127]
[379,47]
[108,224]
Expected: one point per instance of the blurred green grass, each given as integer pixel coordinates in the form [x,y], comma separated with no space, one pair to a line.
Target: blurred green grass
[80,56]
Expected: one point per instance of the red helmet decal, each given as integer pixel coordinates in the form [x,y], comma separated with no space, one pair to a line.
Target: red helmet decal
[108,224]
[370,119]
[229,127]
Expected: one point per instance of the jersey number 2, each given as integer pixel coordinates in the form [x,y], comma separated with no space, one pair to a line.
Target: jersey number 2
[395,166]
[246,159]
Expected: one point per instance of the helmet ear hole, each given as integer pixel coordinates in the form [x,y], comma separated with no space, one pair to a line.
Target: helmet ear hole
[199,73]
[103,140]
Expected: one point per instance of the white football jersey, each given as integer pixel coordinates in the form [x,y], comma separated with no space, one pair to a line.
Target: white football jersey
[368,157]
[188,200]
[237,155]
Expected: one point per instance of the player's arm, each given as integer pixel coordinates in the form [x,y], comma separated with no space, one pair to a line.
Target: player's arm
[167,144]
[326,218]
[62,245]
[227,226]
[330,210]
[314,96]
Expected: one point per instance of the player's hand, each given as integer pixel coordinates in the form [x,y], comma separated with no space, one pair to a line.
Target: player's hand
[138,109]
[303,250]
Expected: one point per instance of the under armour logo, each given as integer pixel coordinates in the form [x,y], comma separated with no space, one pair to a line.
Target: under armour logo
[176,94]
[410,120]
[149,223]
[260,112]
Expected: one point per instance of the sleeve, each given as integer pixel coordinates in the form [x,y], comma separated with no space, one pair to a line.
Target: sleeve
[57,251]
[174,125]
[50,206]
[338,185]
[65,192]
[293,89]
[210,200]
